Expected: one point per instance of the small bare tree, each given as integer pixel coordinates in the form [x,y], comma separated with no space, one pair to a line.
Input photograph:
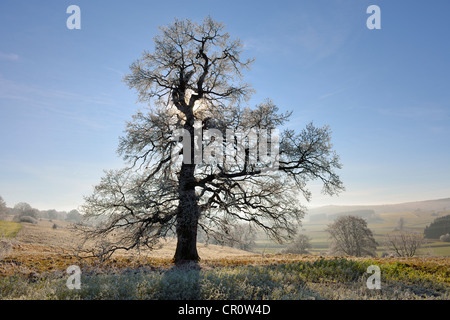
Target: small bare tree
[300,245]
[350,236]
[404,243]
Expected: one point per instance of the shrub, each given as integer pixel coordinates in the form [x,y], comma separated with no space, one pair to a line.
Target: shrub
[445,237]
[300,245]
[28,219]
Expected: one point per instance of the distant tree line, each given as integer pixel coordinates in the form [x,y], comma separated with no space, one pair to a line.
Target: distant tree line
[439,227]
[23,212]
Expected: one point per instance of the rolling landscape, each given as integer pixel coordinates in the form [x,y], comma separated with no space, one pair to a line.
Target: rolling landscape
[34,264]
[382,220]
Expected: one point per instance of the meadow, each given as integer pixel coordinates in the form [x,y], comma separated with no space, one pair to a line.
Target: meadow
[9,229]
[415,221]
[288,278]
[35,269]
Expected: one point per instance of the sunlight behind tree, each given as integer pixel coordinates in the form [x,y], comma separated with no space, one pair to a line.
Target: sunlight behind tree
[192,82]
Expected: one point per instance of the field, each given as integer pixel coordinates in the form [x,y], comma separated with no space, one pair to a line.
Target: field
[35,268]
[414,221]
[9,229]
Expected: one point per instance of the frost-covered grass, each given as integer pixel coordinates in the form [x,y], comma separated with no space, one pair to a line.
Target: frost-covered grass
[320,279]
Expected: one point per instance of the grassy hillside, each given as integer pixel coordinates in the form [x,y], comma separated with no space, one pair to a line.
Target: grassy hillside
[43,239]
[417,206]
[9,229]
[36,269]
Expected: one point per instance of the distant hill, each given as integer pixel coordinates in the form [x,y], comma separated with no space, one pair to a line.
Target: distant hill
[417,206]
[369,215]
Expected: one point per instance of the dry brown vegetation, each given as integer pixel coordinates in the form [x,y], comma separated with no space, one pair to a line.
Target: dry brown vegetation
[36,267]
[41,248]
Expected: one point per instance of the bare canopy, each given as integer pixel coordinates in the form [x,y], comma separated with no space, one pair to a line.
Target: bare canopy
[350,236]
[193,81]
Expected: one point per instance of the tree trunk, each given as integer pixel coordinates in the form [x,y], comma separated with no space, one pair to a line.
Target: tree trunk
[188,210]
[187,217]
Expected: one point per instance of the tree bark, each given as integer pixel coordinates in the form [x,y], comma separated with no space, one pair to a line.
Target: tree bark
[187,217]
[188,210]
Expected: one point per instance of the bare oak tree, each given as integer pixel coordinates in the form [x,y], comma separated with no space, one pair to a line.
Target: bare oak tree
[193,81]
[351,236]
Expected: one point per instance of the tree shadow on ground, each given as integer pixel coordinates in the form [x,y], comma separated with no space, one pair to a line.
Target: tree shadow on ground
[181,282]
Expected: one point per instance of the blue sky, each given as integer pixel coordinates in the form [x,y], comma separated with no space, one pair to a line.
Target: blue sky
[384,93]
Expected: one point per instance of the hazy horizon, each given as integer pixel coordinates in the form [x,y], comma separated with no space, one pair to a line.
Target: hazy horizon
[67,209]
